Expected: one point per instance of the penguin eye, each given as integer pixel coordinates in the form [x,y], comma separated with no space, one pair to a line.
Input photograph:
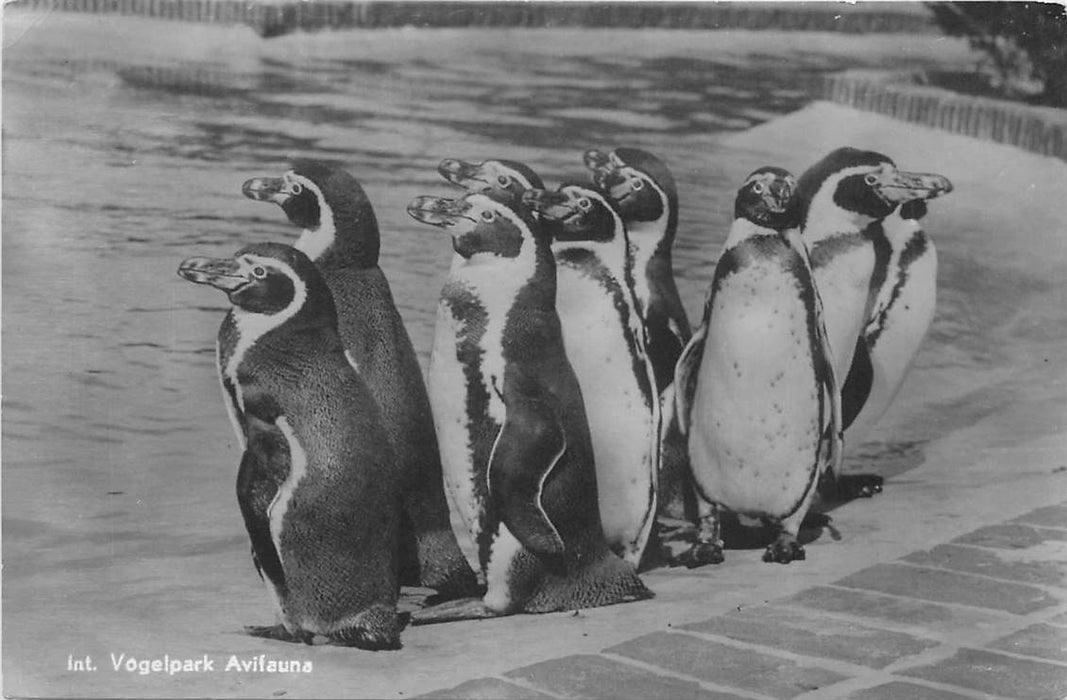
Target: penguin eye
[296,188]
[871,179]
[503,180]
[758,188]
[584,204]
[259,272]
[637,184]
[487,215]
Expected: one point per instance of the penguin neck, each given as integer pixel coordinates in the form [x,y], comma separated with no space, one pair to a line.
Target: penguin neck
[826,220]
[502,279]
[346,237]
[613,255]
[743,231]
[650,238]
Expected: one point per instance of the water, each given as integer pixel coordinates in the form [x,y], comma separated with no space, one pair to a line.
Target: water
[125,145]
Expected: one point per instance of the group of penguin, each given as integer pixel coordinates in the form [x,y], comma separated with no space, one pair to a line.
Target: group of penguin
[570,415]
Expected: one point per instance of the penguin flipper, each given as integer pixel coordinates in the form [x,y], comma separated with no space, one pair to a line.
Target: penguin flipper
[858,383]
[256,489]
[453,611]
[526,450]
[685,377]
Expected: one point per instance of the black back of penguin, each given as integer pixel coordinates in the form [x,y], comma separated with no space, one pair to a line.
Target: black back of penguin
[317,484]
[341,235]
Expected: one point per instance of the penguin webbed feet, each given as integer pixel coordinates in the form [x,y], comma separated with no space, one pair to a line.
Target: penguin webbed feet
[375,629]
[454,611]
[849,487]
[783,550]
[279,634]
[700,554]
[683,543]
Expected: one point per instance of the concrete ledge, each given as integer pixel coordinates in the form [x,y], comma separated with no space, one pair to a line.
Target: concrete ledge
[277,17]
[1039,129]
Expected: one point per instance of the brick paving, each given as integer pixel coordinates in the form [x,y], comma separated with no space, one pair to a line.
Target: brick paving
[982,616]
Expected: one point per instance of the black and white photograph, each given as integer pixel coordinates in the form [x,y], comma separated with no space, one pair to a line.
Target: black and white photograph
[534,349]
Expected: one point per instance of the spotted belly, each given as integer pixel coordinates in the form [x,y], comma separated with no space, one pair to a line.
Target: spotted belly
[447,385]
[757,412]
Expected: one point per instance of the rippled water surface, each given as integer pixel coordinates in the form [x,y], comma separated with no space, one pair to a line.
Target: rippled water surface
[125,145]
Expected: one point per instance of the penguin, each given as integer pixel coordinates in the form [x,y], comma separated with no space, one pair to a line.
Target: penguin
[511,421]
[902,302]
[604,338]
[341,236]
[843,202]
[643,189]
[317,484]
[645,193]
[756,385]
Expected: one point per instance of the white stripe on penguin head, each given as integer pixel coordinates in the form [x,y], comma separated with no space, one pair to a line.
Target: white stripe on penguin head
[252,326]
[314,242]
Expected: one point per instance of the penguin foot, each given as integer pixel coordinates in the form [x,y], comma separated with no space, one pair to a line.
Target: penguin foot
[849,487]
[699,554]
[784,550]
[375,629]
[443,568]
[453,611]
[860,485]
[278,633]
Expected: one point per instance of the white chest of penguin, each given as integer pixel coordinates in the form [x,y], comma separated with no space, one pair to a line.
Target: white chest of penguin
[844,279]
[757,393]
[601,340]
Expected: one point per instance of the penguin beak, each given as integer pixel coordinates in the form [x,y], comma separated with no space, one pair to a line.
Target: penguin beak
[899,186]
[777,196]
[605,174]
[222,273]
[436,211]
[266,189]
[460,172]
[551,205]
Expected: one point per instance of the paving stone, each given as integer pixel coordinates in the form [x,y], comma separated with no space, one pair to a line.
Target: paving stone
[989,672]
[727,665]
[1040,640]
[899,690]
[487,689]
[896,610]
[590,676]
[1011,536]
[949,587]
[1060,619]
[1052,516]
[990,563]
[823,637]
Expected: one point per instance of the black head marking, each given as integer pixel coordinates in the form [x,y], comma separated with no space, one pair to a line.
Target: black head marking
[853,192]
[578,212]
[503,180]
[766,198]
[479,224]
[356,236]
[273,288]
[640,185]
